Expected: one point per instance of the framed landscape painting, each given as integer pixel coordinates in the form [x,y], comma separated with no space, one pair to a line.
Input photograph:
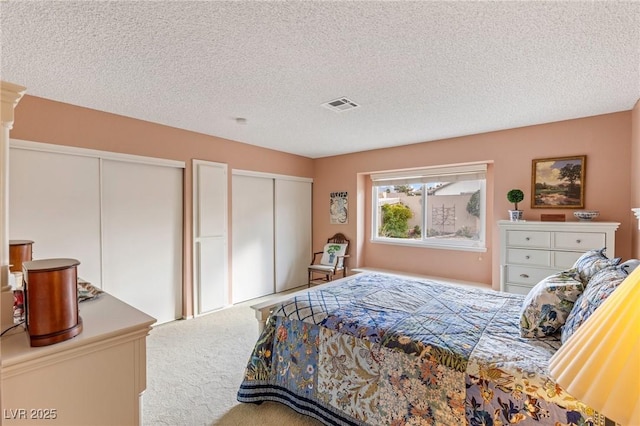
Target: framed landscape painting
[558,182]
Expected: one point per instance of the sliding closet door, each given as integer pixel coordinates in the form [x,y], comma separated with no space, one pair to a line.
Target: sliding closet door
[210,235]
[54,200]
[252,240]
[292,232]
[142,236]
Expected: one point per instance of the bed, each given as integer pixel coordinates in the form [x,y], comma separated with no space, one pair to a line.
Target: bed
[385,349]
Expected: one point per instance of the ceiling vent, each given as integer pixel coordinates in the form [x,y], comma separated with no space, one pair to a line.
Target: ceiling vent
[340,105]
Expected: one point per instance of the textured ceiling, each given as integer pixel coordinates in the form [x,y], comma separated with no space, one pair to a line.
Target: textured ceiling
[420,71]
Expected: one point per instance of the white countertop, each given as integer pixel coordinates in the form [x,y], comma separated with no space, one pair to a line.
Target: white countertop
[102,318]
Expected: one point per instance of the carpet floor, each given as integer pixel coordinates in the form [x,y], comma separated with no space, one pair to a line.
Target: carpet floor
[194,370]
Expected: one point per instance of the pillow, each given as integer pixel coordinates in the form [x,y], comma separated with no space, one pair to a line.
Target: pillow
[601,285]
[547,305]
[591,262]
[330,254]
[630,265]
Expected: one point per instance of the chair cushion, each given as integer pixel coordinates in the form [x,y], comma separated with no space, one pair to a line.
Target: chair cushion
[321,268]
[331,253]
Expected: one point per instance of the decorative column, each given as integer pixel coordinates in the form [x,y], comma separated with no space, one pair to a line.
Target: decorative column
[10,95]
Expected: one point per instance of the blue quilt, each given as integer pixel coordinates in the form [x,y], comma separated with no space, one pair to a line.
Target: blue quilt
[380,349]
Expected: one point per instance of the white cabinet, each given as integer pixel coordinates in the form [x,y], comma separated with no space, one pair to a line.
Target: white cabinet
[293,233]
[142,236]
[50,205]
[531,251]
[96,378]
[210,264]
[120,215]
[253,237]
[271,233]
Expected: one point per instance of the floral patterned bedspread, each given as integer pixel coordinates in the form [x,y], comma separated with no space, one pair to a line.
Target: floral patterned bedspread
[381,349]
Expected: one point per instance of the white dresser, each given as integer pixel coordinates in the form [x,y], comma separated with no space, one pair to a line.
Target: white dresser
[531,250]
[96,378]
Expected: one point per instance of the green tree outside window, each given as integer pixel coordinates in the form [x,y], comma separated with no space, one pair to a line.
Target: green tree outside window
[395,220]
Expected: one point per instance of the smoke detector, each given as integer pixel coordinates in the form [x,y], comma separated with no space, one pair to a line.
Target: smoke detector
[340,105]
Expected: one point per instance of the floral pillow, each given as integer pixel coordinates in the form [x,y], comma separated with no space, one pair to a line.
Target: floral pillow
[601,285]
[331,256]
[591,262]
[547,305]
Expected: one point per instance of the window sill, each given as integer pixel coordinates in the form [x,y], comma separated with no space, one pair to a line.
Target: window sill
[434,245]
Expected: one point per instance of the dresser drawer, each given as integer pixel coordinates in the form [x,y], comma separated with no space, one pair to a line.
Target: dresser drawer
[565,259]
[526,275]
[579,240]
[529,257]
[539,239]
[530,251]
[517,288]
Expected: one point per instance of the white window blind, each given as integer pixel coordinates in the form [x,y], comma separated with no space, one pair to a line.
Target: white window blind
[431,174]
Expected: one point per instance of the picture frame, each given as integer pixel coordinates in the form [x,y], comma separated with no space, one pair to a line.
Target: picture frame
[558,183]
[338,208]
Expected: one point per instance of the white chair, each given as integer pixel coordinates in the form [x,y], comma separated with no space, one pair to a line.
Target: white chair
[332,262]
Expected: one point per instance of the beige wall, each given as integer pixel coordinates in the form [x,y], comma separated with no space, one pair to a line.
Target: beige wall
[605,140]
[611,142]
[42,120]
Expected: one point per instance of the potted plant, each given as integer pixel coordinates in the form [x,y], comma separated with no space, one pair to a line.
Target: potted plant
[332,250]
[515,196]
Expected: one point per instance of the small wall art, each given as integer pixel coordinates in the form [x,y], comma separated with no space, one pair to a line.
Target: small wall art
[338,208]
[558,182]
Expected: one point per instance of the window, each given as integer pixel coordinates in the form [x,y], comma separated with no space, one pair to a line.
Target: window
[437,207]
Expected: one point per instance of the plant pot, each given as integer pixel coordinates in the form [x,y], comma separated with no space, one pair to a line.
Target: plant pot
[515,215]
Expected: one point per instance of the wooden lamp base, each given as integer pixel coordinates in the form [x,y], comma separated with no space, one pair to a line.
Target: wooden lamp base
[56,337]
[51,300]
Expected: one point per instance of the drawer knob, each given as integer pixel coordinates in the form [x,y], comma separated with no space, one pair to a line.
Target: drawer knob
[527,239]
[527,257]
[524,275]
[578,241]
